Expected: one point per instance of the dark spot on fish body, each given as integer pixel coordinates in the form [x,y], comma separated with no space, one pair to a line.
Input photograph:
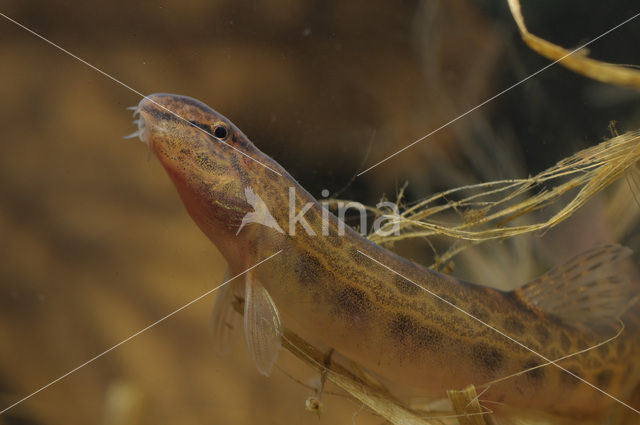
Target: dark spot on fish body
[554,352]
[615,257]
[595,254]
[240,142]
[352,302]
[575,277]
[480,312]
[542,333]
[447,304]
[405,287]
[535,376]
[406,329]
[487,357]
[514,326]
[604,378]
[565,342]
[582,344]
[530,342]
[308,268]
[449,299]
[592,362]
[205,162]
[569,380]
[604,351]
[569,269]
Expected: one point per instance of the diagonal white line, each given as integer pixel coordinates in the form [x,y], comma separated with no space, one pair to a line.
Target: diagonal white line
[132,89]
[91,360]
[544,68]
[549,361]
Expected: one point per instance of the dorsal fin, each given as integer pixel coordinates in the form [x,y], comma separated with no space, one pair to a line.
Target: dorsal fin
[590,289]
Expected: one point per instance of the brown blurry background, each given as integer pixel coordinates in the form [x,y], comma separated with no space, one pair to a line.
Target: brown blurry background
[96,244]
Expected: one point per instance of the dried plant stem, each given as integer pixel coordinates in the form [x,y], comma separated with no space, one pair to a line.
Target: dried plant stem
[489,210]
[575,61]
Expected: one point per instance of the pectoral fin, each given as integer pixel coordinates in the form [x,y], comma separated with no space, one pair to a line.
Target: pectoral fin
[590,289]
[223,317]
[262,327]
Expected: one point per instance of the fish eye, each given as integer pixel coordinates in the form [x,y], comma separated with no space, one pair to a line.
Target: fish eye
[220,131]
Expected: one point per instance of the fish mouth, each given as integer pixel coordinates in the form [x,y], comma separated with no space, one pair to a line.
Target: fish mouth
[140,122]
[150,113]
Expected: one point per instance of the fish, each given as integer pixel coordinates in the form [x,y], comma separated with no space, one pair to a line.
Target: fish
[399,320]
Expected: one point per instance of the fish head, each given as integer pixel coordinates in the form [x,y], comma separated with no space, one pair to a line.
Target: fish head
[208,158]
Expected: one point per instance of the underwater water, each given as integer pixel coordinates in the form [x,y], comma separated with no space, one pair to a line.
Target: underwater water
[98,246]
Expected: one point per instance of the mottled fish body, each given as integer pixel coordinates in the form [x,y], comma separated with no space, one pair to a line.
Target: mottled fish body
[409,324]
